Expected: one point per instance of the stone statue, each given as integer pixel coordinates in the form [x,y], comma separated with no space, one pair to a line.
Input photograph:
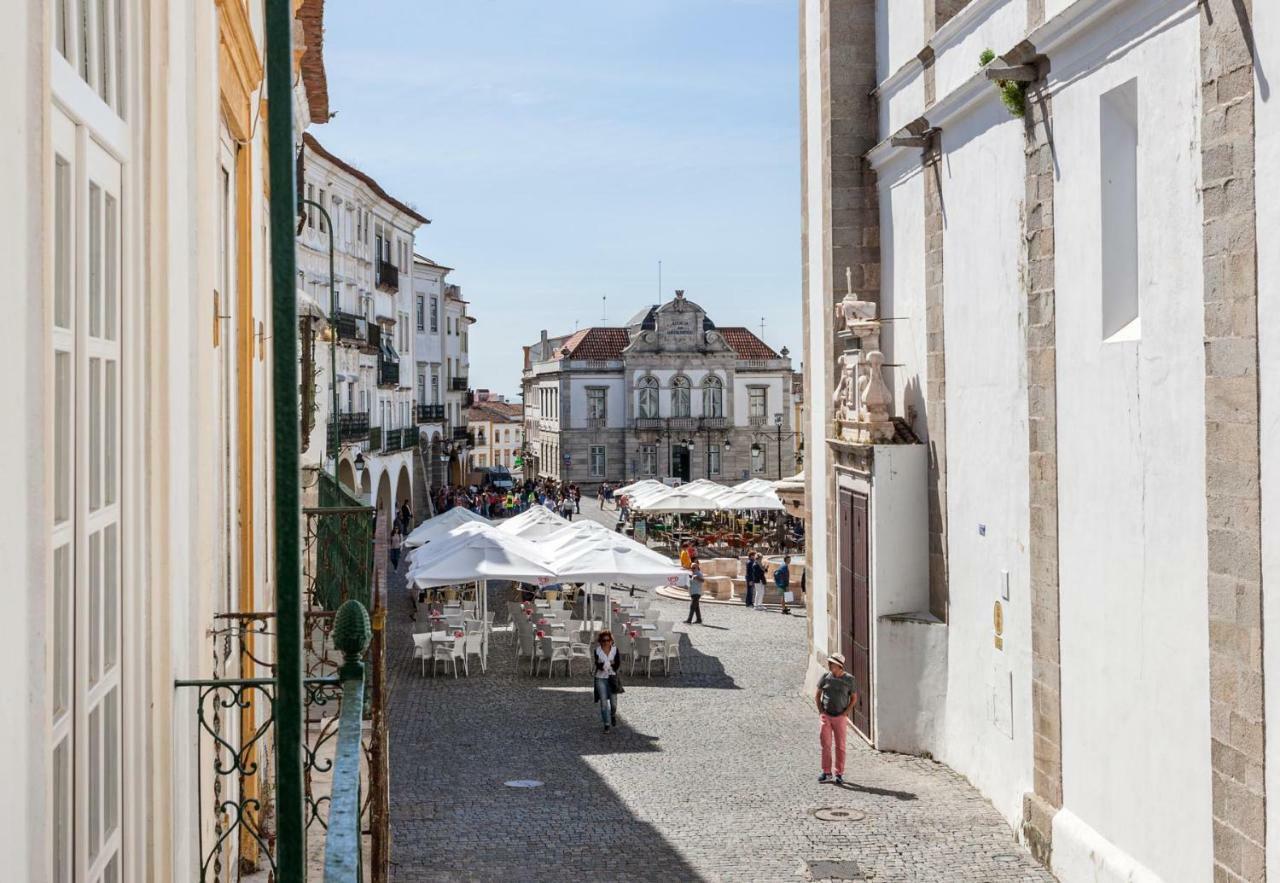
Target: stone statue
[844,402]
[855,313]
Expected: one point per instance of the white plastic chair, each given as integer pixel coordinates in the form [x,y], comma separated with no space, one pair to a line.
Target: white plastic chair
[422,649]
[525,646]
[447,651]
[671,650]
[642,649]
[551,653]
[474,642]
[581,651]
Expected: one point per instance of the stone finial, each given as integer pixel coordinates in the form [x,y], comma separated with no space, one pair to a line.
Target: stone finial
[351,631]
[876,398]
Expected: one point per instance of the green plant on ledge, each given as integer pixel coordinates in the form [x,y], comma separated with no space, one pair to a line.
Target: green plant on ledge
[1013,95]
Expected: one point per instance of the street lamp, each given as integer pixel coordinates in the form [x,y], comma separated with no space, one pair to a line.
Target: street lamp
[359,462]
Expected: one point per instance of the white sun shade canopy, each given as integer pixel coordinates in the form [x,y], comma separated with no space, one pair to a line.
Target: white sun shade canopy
[754,484]
[574,538]
[483,555]
[534,523]
[637,486]
[645,495]
[611,560]
[678,501]
[706,488]
[434,528]
[439,544]
[751,501]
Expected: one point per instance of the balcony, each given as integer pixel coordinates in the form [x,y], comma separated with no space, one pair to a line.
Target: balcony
[387,276]
[375,438]
[388,371]
[460,434]
[348,427]
[758,420]
[650,423]
[595,422]
[685,423]
[715,422]
[458,384]
[351,328]
[372,342]
[399,439]
[430,413]
[237,701]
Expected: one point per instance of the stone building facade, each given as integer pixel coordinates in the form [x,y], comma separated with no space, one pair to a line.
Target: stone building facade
[669,395]
[1059,248]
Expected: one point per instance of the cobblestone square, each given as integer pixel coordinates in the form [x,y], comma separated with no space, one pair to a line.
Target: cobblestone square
[712,774]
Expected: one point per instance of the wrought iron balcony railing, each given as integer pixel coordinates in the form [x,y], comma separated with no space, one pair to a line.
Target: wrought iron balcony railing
[458,384]
[344,784]
[430,413]
[351,426]
[399,439]
[387,276]
[388,372]
[375,438]
[351,327]
[461,434]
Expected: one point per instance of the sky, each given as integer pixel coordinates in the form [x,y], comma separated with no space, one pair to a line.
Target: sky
[563,148]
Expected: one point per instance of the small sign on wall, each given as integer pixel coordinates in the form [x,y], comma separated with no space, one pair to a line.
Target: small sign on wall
[997,625]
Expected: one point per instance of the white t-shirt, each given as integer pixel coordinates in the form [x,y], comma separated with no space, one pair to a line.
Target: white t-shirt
[606,669]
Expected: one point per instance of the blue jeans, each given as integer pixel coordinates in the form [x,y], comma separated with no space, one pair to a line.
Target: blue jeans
[608,701]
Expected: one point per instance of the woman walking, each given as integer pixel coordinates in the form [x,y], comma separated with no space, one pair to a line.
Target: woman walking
[396,541]
[606,679]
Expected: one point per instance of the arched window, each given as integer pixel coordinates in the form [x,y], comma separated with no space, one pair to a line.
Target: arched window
[712,397]
[680,397]
[648,403]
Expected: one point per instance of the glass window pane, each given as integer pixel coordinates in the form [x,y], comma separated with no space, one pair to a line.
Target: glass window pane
[61,243]
[94,795]
[95,606]
[95,260]
[111,271]
[111,401]
[61,630]
[84,40]
[111,762]
[95,434]
[62,812]
[111,594]
[61,437]
[60,28]
[112,873]
[105,59]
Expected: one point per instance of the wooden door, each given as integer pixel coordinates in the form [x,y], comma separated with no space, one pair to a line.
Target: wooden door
[680,462]
[855,601]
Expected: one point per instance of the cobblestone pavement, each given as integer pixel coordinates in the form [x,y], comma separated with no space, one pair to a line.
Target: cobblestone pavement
[712,775]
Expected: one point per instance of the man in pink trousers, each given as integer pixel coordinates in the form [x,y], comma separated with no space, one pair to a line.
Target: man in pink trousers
[836,696]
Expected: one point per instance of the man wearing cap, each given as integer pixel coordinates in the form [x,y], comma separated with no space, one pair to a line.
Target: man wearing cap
[837,694]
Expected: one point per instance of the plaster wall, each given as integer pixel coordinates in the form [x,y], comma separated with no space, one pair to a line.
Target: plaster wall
[902,286]
[774,401]
[817,455]
[901,103]
[984,24]
[899,530]
[615,399]
[899,35]
[1131,448]
[1267,120]
[988,716]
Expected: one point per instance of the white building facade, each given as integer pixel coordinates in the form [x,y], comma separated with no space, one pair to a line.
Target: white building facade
[374,286]
[1080,325]
[670,395]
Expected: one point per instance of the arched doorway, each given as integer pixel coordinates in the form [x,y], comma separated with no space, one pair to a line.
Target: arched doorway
[347,476]
[404,490]
[384,505]
[366,489]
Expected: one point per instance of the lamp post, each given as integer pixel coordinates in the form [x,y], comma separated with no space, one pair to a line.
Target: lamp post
[779,435]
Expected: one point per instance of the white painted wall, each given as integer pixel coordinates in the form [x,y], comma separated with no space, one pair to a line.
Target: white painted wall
[1266,22]
[615,399]
[774,401]
[988,716]
[1132,522]
[899,35]
[902,249]
[901,102]
[997,25]
[817,460]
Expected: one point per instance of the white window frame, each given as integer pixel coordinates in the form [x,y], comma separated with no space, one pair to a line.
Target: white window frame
[598,460]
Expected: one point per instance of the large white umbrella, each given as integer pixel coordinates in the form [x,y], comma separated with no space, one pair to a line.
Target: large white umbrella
[638,486]
[442,542]
[534,523]
[434,528]
[754,484]
[751,501]
[678,501]
[646,495]
[613,560]
[709,489]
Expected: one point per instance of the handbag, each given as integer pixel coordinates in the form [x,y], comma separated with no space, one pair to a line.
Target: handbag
[615,685]
[789,597]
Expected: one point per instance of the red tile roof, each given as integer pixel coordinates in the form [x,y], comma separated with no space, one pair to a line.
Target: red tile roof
[311,15]
[313,144]
[598,344]
[746,344]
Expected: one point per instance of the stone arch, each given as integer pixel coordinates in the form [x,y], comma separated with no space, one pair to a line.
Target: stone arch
[383,504]
[347,476]
[366,484]
[404,489]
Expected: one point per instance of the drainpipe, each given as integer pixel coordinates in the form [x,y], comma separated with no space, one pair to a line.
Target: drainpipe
[290,830]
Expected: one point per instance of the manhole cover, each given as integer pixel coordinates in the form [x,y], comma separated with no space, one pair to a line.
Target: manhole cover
[838,814]
[1006,857]
[523,783]
[842,870]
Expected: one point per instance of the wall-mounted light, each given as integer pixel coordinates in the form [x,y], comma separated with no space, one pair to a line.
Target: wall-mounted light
[359,462]
[756,449]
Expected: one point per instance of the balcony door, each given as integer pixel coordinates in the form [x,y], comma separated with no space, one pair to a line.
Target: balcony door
[85,599]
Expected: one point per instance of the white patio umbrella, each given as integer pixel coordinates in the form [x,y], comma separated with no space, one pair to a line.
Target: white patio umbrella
[678,501]
[709,489]
[647,495]
[751,501]
[480,556]
[615,561]
[754,484]
[439,526]
[534,523]
[637,486]
[444,541]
